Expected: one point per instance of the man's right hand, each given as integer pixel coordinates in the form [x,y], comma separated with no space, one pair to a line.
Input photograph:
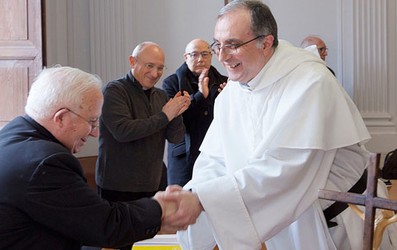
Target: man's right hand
[203,83]
[177,105]
[180,208]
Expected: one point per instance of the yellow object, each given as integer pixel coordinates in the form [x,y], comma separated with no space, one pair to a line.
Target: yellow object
[156,248]
[159,242]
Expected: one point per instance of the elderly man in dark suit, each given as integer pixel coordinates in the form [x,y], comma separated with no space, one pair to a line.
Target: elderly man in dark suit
[45,202]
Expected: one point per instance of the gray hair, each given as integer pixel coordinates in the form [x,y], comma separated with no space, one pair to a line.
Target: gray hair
[59,87]
[262,19]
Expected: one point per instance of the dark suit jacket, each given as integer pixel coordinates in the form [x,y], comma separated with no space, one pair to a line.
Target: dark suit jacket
[45,202]
[197,118]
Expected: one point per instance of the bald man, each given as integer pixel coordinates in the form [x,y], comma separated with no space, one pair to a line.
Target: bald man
[137,119]
[321,47]
[203,83]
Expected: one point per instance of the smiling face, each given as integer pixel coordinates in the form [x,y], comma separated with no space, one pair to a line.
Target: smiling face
[148,65]
[234,28]
[77,124]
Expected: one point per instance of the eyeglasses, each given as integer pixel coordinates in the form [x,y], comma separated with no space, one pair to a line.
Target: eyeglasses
[322,50]
[150,66]
[94,123]
[230,49]
[195,55]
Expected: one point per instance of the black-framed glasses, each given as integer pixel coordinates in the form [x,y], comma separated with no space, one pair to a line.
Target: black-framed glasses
[94,123]
[230,49]
[150,66]
[196,55]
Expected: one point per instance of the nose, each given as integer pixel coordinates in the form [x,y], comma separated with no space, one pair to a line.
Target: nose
[222,56]
[94,132]
[155,72]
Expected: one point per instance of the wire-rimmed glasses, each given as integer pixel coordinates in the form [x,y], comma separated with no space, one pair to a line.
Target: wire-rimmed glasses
[230,49]
[195,55]
[94,123]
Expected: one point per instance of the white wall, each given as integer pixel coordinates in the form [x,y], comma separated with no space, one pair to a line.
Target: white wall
[98,36]
[174,23]
[308,17]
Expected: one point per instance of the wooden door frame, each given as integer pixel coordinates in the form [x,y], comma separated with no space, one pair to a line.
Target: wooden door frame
[44,32]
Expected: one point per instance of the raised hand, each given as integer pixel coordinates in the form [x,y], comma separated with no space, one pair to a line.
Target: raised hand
[203,83]
[187,101]
[177,105]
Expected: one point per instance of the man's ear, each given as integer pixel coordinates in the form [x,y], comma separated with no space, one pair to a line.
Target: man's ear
[132,61]
[59,116]
[268,41]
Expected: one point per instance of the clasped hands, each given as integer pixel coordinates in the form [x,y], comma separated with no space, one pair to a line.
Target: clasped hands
[180,208]
[177,105]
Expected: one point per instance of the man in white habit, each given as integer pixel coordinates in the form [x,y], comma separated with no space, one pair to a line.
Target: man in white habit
[283,128]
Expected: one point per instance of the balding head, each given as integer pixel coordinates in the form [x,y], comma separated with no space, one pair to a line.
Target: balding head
[147,63]
[321,46]
[195,43]
[198,55]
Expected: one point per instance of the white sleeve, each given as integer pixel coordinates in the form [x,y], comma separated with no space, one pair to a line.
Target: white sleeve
[198,236]
[254,203]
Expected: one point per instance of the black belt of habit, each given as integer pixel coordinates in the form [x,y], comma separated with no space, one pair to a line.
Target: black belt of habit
[338,207]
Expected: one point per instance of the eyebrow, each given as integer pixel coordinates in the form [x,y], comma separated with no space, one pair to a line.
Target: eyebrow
[230,40]
[197,51]
[155,64]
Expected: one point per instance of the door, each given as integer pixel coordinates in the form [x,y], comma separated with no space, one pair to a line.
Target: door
[20,54]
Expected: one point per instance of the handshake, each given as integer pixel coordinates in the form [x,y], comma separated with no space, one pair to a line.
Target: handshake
[180,208]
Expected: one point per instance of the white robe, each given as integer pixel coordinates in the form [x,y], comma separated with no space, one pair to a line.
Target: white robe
[269,149]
